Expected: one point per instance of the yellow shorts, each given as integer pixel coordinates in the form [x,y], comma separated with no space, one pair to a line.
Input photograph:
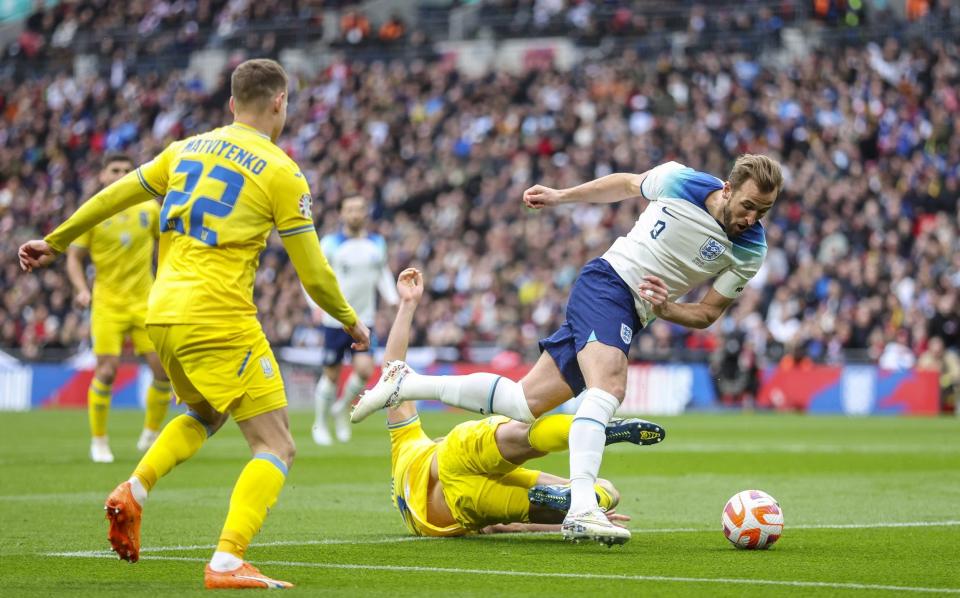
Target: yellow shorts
[481,487]
[108,329]
[230,366]
[411,453]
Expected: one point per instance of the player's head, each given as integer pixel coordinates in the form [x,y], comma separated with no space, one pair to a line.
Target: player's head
[113,168]
[750,191]
[258,89]
[353,211]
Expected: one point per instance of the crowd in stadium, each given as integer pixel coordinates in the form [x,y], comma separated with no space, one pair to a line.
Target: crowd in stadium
[864,243]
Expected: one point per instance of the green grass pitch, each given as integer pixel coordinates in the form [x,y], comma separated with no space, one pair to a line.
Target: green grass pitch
[844,485]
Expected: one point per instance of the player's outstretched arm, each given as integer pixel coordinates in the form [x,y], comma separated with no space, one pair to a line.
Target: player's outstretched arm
[607,189]
[691,315]
[81,292]
[321,284]
[409,291]
[126,192]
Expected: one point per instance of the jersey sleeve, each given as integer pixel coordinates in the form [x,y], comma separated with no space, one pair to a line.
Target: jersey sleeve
[734,279]
[658,179]
[155,174]
[292,203]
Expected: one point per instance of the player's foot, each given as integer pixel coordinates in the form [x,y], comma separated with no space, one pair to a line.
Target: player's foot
[593,525]
[124,513]
[244,577]
[557,496]
[147,438]
[341,420]
[100,450]
[637,431]
[386,392]
[321,435]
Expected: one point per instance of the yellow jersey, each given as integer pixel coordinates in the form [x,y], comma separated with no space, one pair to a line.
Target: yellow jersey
[224,192]
[121,249]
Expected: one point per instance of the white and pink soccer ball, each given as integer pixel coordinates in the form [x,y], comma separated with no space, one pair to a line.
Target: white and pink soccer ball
[752,519]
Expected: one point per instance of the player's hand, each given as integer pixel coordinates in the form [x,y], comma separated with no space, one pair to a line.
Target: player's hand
[410,285]
[538,197]
[617,519]
[36,254]
[655,291]
[82,299]
[361,336]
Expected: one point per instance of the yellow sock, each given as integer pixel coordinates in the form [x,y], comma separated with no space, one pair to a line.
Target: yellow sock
[178,441]
[256,491]
[550,434]
[98,407]
[158,401]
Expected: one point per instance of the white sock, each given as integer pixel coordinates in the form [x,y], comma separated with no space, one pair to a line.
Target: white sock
[480,393]
[138,490]
[224,561]
[354,386]
[324,396]
[587,439]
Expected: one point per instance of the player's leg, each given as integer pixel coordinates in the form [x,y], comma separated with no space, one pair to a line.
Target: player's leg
[179,440]
[158,402]
[256,491]
[98,406]
[335,344]
[363,366]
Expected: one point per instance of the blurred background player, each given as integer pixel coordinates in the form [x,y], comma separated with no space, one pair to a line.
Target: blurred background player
[471,480]
[224,192]
[121,249]
[359,259]
[696,228]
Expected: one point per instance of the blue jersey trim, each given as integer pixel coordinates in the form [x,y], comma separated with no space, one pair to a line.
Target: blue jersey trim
[145,185]
[404,423]
[275,460]
[296,230]
[752,238]
[691,185]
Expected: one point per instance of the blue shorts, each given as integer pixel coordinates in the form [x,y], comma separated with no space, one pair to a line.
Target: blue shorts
[600,308]
[336,343]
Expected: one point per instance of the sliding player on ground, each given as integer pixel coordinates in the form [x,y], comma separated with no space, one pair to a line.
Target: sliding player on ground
[696,228]
[471,480]
[224,192]
[121,249]
[359,259]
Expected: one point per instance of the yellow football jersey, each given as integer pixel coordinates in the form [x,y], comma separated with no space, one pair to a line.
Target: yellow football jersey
[121,249]
[224,191]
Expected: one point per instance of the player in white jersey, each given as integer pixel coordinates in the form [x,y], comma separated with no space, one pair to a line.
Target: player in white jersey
[696,228]
[359,259]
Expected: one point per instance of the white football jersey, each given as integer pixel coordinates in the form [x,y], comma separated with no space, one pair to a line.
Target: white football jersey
[676,239]
[360,264]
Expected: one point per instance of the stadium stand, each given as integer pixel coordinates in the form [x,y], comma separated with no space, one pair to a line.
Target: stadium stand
[864,258]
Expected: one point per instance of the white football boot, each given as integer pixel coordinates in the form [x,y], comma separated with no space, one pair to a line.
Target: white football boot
[341,420]
[386,392]
[321,435]
[100,450]
[593,525]
[147,438]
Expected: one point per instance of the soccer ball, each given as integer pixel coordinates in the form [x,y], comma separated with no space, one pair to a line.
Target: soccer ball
[752,519]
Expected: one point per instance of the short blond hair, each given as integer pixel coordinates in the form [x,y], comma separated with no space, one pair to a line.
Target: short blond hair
[255,82]
[764,171]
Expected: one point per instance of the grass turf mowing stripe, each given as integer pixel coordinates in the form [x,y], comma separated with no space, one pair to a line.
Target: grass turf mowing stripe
[597,576]
[392,540]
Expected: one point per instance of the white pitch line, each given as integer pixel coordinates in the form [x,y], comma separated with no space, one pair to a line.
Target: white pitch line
[397,539]
[603,576]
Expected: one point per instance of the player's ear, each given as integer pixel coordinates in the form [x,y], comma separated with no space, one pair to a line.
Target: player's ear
[278,102]
[727,190]
[233,106]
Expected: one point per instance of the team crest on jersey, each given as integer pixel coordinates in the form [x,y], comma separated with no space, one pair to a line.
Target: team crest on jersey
[306,202]
[626,333]
[267,367]
[711,249]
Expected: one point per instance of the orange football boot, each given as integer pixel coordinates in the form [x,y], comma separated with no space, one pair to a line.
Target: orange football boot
[124,513]
[244,577]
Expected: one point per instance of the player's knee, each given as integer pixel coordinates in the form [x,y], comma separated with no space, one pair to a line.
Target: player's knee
[106,372]
[288,451]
